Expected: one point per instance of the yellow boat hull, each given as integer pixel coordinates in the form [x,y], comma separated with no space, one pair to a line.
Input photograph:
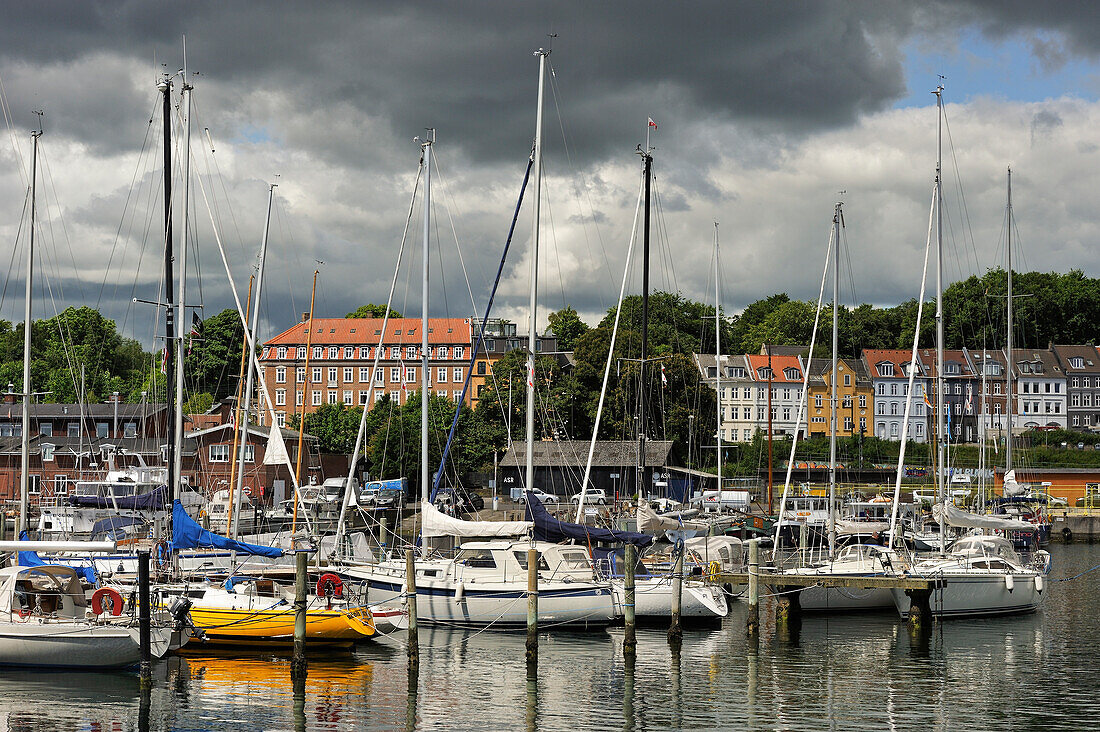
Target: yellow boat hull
[276,626]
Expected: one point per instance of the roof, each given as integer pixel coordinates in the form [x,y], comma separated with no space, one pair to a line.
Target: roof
[366,331]
[1087,354]
[928,362]
[899,357]
[574,453]
[260,432]
[92,445]
[780,364]
[126,410]
[775,350]
[820,367]
[1051,368]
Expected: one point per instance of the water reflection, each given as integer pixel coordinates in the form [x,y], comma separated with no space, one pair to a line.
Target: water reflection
[856,672]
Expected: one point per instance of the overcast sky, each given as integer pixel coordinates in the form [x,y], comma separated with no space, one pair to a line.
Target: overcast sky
[765,112]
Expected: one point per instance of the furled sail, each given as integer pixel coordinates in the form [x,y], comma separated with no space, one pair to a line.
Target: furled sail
[650,522]
[954,516]
[437,523]
[187,534]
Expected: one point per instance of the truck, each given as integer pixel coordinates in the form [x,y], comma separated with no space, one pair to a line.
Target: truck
[725,501]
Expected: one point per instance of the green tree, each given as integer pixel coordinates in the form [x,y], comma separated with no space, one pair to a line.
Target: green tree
[213,363]
[567,326]
[370,310]
[335,427]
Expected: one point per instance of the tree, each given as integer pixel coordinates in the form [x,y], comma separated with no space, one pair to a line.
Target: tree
[370,310]
[213,364]
[567,326]
[335,426]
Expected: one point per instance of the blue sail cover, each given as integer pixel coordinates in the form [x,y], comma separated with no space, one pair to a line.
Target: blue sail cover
[154,499]
[548,528]
[188,534]
[31,559]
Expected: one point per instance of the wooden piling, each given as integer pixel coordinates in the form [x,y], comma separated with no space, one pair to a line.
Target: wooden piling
[410,593]
[532,605]
[753,624]
[920,611]
[298,664]
[382,539]
[675,630]
[630,637]
[144,621]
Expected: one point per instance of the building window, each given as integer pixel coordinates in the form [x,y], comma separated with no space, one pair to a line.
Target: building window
[395,375]
[457,374]
[47,452]
[332,377]
[410,352]
[280,420]
[348,397]
[847,379]
[300,374]
[817,401]
[333,351]
[299,397]
[378,378]
[332,398]
[893,409]
[72,429]
[348,374]
[1085,382]
[786,414]
[378,396]
[316,398]
[442,350]
[395,396]
[862,401]
[280,375]
[219,453]
[101,429]
[282,352]
[846,403]
[862,424]
[920,429]
[363,398]
[60,485]
[460,352]
[316,379]
[441,375]
[318,351]
[410,375]
[881,388]
[480,368]
[250,453]
[364,374]
[301,352]
[848,424]
[997,388]
[34,484]
[364,351]
[349,351]
[893,429]
[45,429]
[1076,421]
[280,397]
[129,430]
[457,396]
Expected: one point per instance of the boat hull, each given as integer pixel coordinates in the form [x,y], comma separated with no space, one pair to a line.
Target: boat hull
[75,645]
[845,598]
[977,595]
[653,599]
[276,626]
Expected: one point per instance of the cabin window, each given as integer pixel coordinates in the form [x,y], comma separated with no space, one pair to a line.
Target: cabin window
[575,560]
[479,558]
[521,557]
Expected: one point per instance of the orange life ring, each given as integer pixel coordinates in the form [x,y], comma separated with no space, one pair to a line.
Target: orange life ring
[329,580]
[115,601]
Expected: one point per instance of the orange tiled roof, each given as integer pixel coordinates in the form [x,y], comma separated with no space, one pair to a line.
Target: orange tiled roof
[365,331]
[779,365]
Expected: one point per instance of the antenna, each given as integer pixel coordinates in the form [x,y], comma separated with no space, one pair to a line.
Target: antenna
[38,132]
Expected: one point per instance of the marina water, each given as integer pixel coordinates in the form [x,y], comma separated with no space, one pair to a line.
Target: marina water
[835,673]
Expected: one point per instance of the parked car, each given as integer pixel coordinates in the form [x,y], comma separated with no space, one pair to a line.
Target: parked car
[543,497]
[460,499]
[595,496]
[663,505]
[1051,501]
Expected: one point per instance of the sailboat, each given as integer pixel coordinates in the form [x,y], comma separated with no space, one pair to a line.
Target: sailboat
[982,574]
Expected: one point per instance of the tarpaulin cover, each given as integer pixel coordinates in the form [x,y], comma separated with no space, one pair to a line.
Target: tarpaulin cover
[956,517]
[440,524]
[154,499]
[548,528]
[31,559]
[188,534]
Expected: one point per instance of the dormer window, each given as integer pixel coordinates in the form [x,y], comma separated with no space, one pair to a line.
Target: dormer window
[886,369]
[764,373]
[791,374]
[712,372]
[737,372]
[951,367]
[1025,367]
[47,452]
[1037,367]
[1077,362]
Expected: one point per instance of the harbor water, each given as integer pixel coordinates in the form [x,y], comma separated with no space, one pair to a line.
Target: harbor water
[835,673]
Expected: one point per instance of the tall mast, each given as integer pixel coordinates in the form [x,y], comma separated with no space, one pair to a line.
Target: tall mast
[305,395]
[165,88]
[770,458]
[639,484]
[941,430]
[718,356]
[182,309]
[236,497]
[1009,362]
[529,483]
[833,397]
[425,477]
[25,441]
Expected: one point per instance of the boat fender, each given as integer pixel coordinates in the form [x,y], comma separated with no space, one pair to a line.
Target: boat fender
[713,569]
[162,554]
[330,585]
[460,592]
[1067,535]
[1039,585]
[1010,582]
[113,604]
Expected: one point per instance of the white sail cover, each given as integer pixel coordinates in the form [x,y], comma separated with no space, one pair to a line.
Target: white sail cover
[649,522]
[1011,486]
[437,523]
[844,526]
[954,516]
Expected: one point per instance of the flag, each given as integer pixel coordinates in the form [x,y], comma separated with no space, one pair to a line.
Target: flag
[969,399]
[652,123]
[664,379]
[164,362]
[530,374]
[194,331]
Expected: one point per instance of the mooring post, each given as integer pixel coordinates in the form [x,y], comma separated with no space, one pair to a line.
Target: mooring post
[675,631]
[410,595]
[630,637]
[920,610]
[753,624]
[382,543]
[532,605]
[144,620]
[298,664]
[803,542]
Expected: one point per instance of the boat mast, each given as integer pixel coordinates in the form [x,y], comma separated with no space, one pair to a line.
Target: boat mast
[1009,362]
[236,497]
[177,434]
[941,436]
[237,411]
[647,171]
[770,463]
[718,359]
[165,88]
[425,478]
[302,415]
[833,396]
[25,441]
[531,341]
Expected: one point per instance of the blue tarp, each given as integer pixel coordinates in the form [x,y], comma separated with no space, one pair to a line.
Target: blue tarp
[548,528]
[31,559]
[187,534]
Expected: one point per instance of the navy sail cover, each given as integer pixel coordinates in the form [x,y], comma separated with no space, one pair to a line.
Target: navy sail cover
[188,534]
[548,528]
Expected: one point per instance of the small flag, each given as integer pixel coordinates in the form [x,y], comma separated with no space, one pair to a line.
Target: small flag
[164,362]
[664,379]
[969,399]
[531,375]
[652,123]
[194,331]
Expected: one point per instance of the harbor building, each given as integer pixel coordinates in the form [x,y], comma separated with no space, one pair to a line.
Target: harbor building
[855,397]
[1081,366]
[889,370]
[1040,388]
[960,394]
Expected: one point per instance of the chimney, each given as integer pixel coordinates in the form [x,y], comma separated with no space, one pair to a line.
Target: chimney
[305,317]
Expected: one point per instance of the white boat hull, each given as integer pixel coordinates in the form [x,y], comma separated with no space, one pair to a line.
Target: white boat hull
[75,645]
[845,598]
[653,599]
[973,595]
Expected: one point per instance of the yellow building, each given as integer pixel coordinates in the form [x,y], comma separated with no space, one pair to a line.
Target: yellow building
[855,397]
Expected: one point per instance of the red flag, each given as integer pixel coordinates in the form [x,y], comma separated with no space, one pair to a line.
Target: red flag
[664,379]
[164,362]
[652,123]
[194,331]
